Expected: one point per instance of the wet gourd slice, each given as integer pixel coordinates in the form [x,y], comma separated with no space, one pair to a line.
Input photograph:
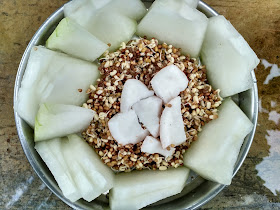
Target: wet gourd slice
[215,152]
[83,11]
[138,189]
[100,176]
[71,38]
[228,58]
[76,167]
[79,176]
[177,5]
[113,29]
[53,77]
[58,120]
[112,22]
[134,9]
[184,29]
[51,153]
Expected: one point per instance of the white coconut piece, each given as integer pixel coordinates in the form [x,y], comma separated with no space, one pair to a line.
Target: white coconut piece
[148,187]
[169,82]
[148,111]
[228,57]
[133,91]
[172,129]
[184,29]
[151,146]
[215,152]
[126,129]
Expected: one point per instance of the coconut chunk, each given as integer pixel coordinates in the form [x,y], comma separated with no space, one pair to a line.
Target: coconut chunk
[126,129]
[172,132]
[169,82]
[148,111]
[151,146]
[133,91]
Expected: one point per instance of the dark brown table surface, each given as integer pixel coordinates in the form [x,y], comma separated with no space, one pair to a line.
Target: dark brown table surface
[253,187]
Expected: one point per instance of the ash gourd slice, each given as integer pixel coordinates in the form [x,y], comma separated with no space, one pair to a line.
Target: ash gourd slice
[69,37]
[81,11]
[148,187]
[52,77]
[169,82]
[172,129]
[100,176]
[134,9]
[124,126]
[84,11]
[177,5]
[192,3]
[51,153]
[148,111]
[76,167]
[112,22]
[228,57]
[83,183]
[27,101]
[184,28]
[213,156]
[66,79]
[113,28]
[151,146]
[57,120]
[135,203]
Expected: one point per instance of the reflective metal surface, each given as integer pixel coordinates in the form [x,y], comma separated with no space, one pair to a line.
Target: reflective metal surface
[195,194]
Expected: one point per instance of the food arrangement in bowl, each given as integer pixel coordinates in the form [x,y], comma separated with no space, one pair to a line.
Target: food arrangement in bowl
[125,101]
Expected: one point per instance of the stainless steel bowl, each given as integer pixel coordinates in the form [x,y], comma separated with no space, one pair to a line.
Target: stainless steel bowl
[197,191]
